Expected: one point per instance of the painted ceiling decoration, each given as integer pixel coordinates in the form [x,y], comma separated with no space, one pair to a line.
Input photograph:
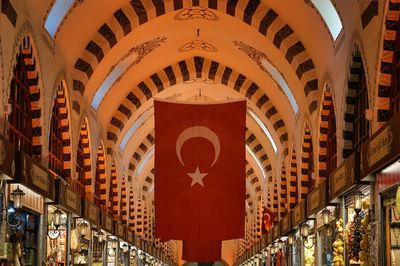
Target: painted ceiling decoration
[196,67]
[265,65]
[196,12]
[266,21]
[131,58]
[198,45]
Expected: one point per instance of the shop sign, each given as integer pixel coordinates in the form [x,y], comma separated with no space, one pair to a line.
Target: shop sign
[299,213]
[269,238]
[382,148]
[35,177]
[137,242]
[69,198]
[107,223]
[120,230]
[316,200]
[91,212]
[129,236]
[343,178]
[275,232]
[7,159]
[285,224]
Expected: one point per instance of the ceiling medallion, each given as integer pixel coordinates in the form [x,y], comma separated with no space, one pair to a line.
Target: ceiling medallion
[200,98]
[198,45]
[196,12]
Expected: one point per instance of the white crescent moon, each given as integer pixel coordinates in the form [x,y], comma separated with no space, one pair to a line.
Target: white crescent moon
[201,132]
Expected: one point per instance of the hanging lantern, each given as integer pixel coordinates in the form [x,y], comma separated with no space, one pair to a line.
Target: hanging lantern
[125,247]
[114,244]
[326,217]
[279,244]
[357,201]
[291,239]
[305,230]
[17,197]
[83,229]
[57,214]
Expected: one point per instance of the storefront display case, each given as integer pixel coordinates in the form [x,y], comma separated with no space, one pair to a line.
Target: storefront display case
[380,162]
[286,228]
[67,206]
[298,217]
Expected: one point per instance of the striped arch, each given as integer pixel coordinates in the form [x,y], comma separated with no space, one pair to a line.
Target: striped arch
[307,164]
[123,202]
[293,193]
[269,193]
[254,13]
[386,63]
[259,152]
[131,223]
[192,68]
[62,104]
[85,142]
[327,109]
[275,196]
[283,198]
[140,152]
[254,180]
[114,195]
[101,164]
[26,50]
[148,181]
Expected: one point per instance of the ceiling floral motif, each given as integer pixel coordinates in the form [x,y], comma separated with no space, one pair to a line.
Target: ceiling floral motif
[198,45]
[196,12]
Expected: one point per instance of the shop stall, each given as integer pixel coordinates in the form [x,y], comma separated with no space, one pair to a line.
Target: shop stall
[285,229]
[85,230]
[107,251]
[130,238]
[122,246]
[380,162]
[352,232]
[67,206]
[268,259]
[7,173]
[32,186]
[320,213]
[298,218]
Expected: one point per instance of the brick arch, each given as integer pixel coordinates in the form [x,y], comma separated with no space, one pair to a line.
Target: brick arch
[325,125]
[84,139]
[254,13]
[307,164]
[293,181]
[283,197]
[185,70]
[101,178]
[386,62]
[61,102]
[350,115]
[123,205]
[26,51]
[114,192]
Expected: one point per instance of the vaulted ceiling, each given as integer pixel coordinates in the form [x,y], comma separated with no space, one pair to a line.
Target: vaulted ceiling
[121,54]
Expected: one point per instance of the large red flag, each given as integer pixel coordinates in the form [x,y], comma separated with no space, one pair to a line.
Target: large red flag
[199,170]
[201,251]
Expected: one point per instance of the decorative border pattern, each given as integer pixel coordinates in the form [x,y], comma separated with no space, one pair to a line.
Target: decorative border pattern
[85,142]
[305,162]
[196,12]
[293,194]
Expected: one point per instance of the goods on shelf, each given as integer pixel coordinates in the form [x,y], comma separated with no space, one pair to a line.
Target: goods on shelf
[338,245]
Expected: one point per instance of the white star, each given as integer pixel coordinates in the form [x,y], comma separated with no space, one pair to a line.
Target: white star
[197,177]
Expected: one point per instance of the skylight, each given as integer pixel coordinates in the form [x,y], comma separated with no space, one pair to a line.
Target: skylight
[329,14]
[256,160]
[57,15]
[277,76]
[119,69]
[143,163]
[264,129]
[136,125]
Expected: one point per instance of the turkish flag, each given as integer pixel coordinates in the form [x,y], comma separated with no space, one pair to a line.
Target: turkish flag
[268,219]
[201,251]
[199,170]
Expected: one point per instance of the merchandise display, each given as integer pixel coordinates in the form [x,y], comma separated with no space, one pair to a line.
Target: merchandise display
[338,244]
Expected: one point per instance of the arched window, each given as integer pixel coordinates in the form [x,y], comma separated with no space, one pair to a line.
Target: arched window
[395,89]
[56,144]
[360,124]
[20,119]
